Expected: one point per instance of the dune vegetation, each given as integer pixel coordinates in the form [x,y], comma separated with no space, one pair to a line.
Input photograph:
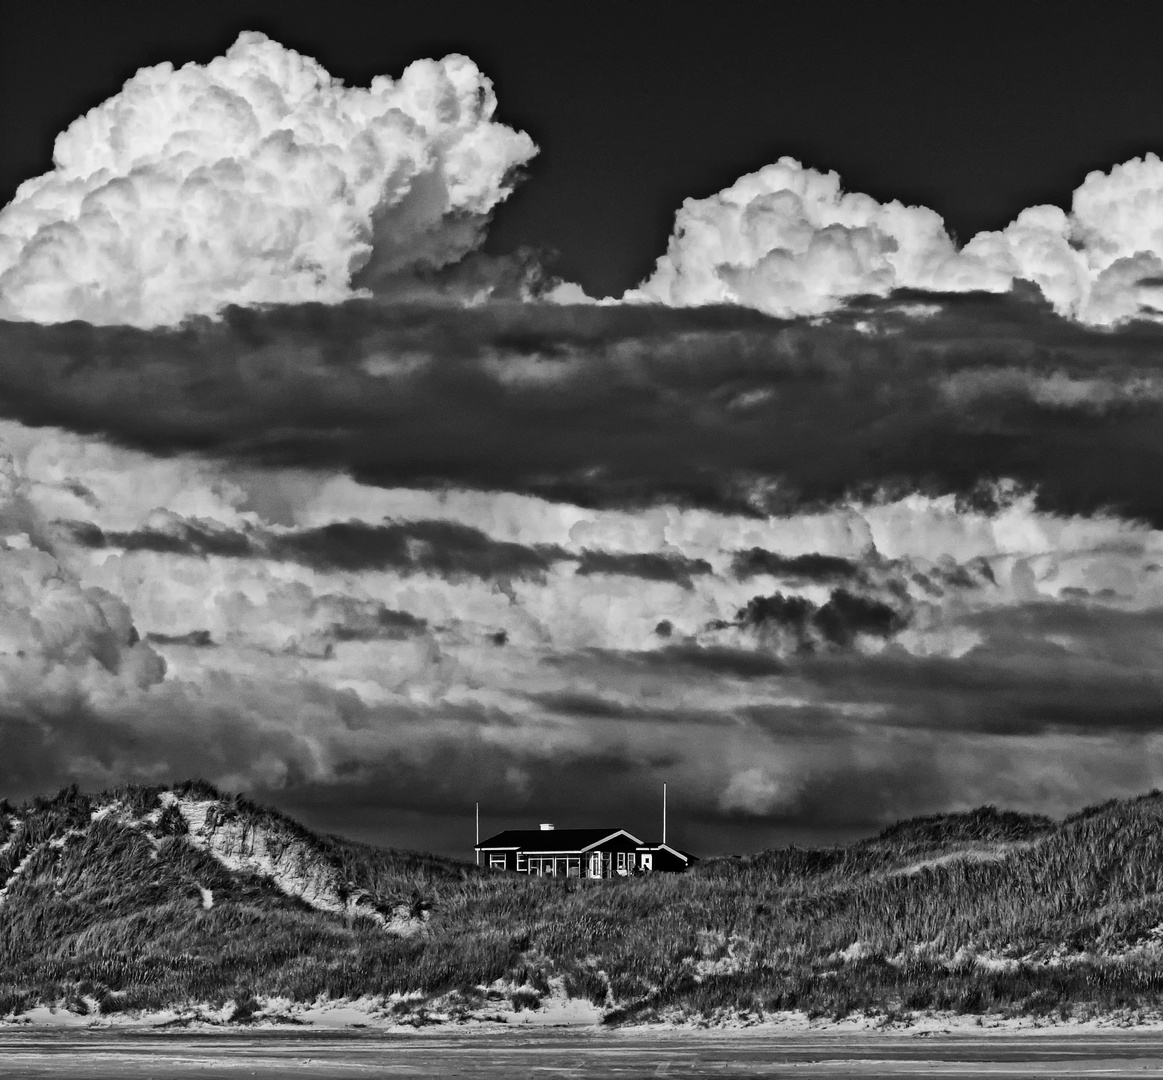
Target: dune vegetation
[107,905]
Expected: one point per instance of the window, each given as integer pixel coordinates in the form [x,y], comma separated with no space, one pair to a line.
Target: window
[622,862]
[497,861]
[647,862]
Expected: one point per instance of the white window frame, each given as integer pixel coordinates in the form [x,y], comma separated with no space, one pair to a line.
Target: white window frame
[497,860]
[647,861]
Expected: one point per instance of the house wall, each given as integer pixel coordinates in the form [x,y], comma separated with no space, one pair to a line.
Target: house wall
[551,865]
[668,863]
[662,861]
[489,860]
[618,857]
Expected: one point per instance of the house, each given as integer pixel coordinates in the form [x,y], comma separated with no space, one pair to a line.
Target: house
[592,853]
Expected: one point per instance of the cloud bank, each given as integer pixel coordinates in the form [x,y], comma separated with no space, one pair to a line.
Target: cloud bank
[788,240]
[257,178]
[630,405]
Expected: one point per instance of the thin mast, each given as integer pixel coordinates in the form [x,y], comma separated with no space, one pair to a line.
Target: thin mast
[477,849]
[664,811]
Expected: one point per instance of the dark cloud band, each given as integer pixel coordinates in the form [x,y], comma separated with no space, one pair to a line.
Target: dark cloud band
[631,404]
[445,548]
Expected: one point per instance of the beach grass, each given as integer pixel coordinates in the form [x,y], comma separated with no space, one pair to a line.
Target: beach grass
[986,912]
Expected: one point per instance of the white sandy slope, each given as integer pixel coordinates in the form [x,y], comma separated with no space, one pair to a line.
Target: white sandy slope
[385,1015]
[241,844]
[393,1012]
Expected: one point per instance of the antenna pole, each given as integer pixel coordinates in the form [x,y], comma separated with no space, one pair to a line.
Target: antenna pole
[664,811]
[477,851]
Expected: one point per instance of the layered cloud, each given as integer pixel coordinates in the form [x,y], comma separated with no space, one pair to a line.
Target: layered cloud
[630,405]
[257,178]
[758,604]
[817,671]
[789,240]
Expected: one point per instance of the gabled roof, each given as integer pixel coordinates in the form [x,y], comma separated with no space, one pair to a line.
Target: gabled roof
[552,840]
[686,856]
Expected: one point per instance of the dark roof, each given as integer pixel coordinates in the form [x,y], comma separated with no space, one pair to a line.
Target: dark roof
[659,846]
[551,839]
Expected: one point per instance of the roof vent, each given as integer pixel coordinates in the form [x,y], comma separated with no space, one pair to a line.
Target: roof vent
[546,827]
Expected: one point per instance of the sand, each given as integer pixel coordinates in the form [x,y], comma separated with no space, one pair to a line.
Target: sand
[507,1053]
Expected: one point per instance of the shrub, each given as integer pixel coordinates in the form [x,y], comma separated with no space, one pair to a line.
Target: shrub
[525,999]
[245,1008]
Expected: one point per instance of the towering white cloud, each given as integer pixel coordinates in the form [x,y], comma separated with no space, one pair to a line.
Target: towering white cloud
[788,240]
[257,178]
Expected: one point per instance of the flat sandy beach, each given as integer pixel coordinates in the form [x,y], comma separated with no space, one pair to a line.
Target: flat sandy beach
[510,1054]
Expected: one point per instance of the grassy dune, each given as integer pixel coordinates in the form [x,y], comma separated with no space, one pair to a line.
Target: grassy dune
[984,912]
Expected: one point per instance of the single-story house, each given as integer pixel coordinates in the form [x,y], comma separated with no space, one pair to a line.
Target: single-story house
[592,853]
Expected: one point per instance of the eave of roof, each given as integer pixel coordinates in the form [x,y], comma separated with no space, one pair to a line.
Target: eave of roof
[536,841]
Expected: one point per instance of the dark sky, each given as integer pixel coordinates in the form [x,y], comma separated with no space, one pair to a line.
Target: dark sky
[976,110]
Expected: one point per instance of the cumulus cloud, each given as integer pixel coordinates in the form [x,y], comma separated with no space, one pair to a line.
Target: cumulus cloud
[59,638]
[50,626]
[257,178]
[789,240]
[755,791]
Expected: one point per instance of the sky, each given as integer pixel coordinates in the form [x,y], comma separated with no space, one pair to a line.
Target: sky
[409,407]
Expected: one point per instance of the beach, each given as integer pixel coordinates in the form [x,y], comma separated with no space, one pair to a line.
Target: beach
[129,1053]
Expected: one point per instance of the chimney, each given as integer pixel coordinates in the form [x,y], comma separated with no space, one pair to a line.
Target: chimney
[546,827]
